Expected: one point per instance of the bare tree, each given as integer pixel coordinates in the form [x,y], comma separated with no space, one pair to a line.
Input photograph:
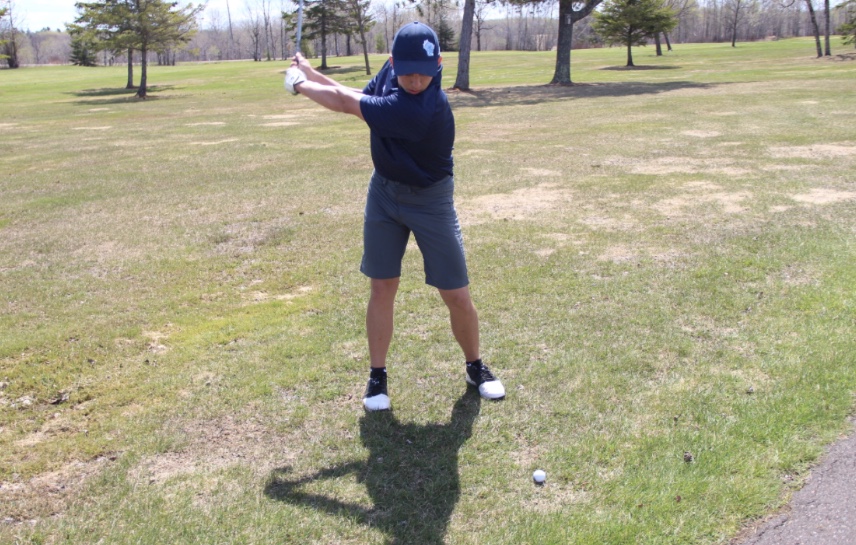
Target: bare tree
[736,9]
[815,26]
[480,20]
[361,15]
[253,26]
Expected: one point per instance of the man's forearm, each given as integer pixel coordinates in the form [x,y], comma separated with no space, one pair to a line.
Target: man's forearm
[338,98]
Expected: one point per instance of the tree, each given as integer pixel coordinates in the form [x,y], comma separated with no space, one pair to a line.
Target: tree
[321,18]
[83,50]
[737,8]
[632,22]
[143,25]
[848,29]
[570,11]
[462,81]
[2,41]
[9,35]
[681,8]
[359,11]
[436,15]
[480,20]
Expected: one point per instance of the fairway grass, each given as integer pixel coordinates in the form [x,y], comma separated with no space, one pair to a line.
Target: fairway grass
[662,259]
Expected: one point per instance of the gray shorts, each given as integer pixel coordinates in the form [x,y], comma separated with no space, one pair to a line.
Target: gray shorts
[393,210]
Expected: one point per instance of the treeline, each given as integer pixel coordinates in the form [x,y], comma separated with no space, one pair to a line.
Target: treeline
[255,29]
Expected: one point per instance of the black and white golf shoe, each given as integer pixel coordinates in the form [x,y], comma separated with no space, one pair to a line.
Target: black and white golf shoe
[489,386]
[376,398]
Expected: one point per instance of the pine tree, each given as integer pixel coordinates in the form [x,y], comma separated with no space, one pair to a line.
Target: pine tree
[83,51]
[633,22]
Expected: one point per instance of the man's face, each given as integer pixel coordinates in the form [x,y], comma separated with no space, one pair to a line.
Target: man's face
[415,83]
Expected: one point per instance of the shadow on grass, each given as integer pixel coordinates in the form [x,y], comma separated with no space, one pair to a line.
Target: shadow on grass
[119,95]
[537,94]
[640,67]
[411,475]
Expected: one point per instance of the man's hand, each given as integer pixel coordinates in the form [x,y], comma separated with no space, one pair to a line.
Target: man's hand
[299,61]
[293,77]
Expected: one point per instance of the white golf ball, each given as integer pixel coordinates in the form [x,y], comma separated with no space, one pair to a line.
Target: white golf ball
[539,476]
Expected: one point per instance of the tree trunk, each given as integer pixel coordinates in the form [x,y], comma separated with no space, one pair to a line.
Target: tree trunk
[734,28]
[324,43]
[130,84]
[815,27]
[567,18]
[658,44]
[141,92]
[365,50]
[629,57]
[562,73]
[828,49]
[668,41]
[462,82]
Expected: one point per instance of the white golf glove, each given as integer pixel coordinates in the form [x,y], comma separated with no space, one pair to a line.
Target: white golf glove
[293,76]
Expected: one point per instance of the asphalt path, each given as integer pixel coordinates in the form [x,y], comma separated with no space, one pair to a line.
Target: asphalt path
[823,512]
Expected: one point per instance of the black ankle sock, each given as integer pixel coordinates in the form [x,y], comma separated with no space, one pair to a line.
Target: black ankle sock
[377,371]
[477,363]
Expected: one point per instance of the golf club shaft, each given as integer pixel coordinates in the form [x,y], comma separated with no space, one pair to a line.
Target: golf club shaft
[299,24]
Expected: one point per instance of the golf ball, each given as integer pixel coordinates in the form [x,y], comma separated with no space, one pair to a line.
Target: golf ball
[539,476]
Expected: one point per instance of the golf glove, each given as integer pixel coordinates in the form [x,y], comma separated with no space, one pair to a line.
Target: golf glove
[293,76]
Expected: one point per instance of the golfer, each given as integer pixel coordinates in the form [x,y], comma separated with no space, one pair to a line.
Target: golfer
[411,190]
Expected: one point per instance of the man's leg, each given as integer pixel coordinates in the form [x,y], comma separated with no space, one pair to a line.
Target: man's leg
[465,327]
[465,320]
[379,325]
[379,319]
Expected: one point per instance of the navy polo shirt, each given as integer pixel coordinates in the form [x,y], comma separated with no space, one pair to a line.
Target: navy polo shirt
[412,136]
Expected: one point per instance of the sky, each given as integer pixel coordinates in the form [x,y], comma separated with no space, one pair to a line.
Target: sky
[35,15]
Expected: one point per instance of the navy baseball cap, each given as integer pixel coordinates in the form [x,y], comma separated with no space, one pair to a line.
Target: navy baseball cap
[416,50]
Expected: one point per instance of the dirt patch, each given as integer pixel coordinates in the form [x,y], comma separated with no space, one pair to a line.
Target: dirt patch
[48,494]
[687,165]
[520,204]
[261,296]
[701,134]
[682,205]
[824,196]
[214,445]
[815,151]
[214,143]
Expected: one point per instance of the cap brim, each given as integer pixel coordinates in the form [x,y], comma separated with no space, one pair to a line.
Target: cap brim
[425,68]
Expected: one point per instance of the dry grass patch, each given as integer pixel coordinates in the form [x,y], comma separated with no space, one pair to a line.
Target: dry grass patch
[48,495]
[814,151]
[521,204]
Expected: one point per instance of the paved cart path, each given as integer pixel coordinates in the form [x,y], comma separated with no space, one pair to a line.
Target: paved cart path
[823,512]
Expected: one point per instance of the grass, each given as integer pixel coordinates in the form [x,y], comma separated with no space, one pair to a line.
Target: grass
[183,354]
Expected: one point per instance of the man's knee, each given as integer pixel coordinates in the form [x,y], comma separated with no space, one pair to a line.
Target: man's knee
[458,299]
[384,288]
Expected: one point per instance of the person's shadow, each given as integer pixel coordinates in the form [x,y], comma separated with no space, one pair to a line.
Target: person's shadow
[411,475]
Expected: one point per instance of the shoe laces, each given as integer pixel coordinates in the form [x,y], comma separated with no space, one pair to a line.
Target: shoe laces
[376,386]
[480,374]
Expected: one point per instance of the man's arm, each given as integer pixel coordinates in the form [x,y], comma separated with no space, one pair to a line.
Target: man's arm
[338,98]
[326,91]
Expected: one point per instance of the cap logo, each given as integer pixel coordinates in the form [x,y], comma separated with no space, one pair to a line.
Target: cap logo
[428,47]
